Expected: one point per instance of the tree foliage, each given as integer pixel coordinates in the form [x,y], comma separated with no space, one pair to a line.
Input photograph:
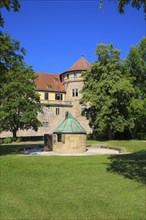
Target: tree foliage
[8,5]
[107,92]
[134,3]
[19,102]
[136,64]
[115,91]
[122,3]
[10,54]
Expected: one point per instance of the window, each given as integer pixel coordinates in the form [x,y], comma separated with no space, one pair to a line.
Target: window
[75,75]
[46,95]
[45,124]
[58,96]
[57,111]
[55,80]
[75,92]
[67,76]
[59,138]
[49,87]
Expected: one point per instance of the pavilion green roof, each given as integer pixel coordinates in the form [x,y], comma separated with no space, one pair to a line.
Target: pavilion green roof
[69,126]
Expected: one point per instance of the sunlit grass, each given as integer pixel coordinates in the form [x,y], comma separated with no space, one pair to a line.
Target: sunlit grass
[100,187]
[129,146]
[39,187]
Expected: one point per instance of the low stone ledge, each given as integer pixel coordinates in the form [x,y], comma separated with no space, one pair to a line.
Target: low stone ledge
[119,149]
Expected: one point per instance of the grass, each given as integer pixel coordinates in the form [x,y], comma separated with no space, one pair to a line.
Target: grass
[129,146]
[104,187]
[15,148]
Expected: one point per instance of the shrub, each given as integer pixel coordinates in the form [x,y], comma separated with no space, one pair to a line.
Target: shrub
[141,136]
[7,140]
[18,140]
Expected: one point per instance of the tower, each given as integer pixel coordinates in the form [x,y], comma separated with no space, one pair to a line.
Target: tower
[73,83]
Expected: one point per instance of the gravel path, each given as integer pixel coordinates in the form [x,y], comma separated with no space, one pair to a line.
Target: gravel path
[90,151]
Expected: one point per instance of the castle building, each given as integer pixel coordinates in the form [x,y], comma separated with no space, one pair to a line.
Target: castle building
[59,93]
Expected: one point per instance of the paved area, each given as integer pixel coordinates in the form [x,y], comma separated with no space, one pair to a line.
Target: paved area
[90,151]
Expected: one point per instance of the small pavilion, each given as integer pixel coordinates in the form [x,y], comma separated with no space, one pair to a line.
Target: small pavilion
[69,136]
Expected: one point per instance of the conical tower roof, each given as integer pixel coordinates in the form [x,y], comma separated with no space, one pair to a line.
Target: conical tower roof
[69,126]
[80,64]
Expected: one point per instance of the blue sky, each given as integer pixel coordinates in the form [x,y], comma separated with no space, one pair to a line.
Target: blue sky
[56,33]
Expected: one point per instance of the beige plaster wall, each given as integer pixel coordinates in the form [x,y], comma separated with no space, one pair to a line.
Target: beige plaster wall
[51,95]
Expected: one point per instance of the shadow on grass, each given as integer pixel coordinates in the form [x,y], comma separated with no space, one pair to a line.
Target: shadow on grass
[15,149]
[132,166]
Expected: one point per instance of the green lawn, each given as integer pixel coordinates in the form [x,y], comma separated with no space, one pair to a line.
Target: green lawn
[101,187]
[129,146]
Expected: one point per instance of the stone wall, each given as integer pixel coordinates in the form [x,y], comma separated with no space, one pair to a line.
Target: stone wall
[72,143]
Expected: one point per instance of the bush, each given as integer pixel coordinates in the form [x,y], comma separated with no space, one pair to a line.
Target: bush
[18,140]
[141,136]
[1,141]
[7,140]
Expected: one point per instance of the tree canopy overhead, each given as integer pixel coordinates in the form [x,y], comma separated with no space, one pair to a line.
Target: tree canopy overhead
[134,3]
[138,4]
[8,5]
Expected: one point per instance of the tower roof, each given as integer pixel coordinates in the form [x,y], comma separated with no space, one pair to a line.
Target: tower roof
[80,64]
[69,126]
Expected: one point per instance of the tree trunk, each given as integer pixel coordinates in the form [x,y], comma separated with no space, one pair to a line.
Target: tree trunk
[15,133]
[132,133]
[109,134]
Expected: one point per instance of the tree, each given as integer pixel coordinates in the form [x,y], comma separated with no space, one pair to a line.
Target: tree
[107,92]
[10,54]
[8,4]
[137,117]
[20,103]
[134,3]
[122,3]
[136,64]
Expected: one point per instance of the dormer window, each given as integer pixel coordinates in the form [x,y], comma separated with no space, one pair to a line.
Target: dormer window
[55,80]
[75,75]
[49,87]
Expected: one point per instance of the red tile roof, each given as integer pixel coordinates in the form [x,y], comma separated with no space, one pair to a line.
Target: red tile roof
[80,64]
[48,82]
[52,82]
